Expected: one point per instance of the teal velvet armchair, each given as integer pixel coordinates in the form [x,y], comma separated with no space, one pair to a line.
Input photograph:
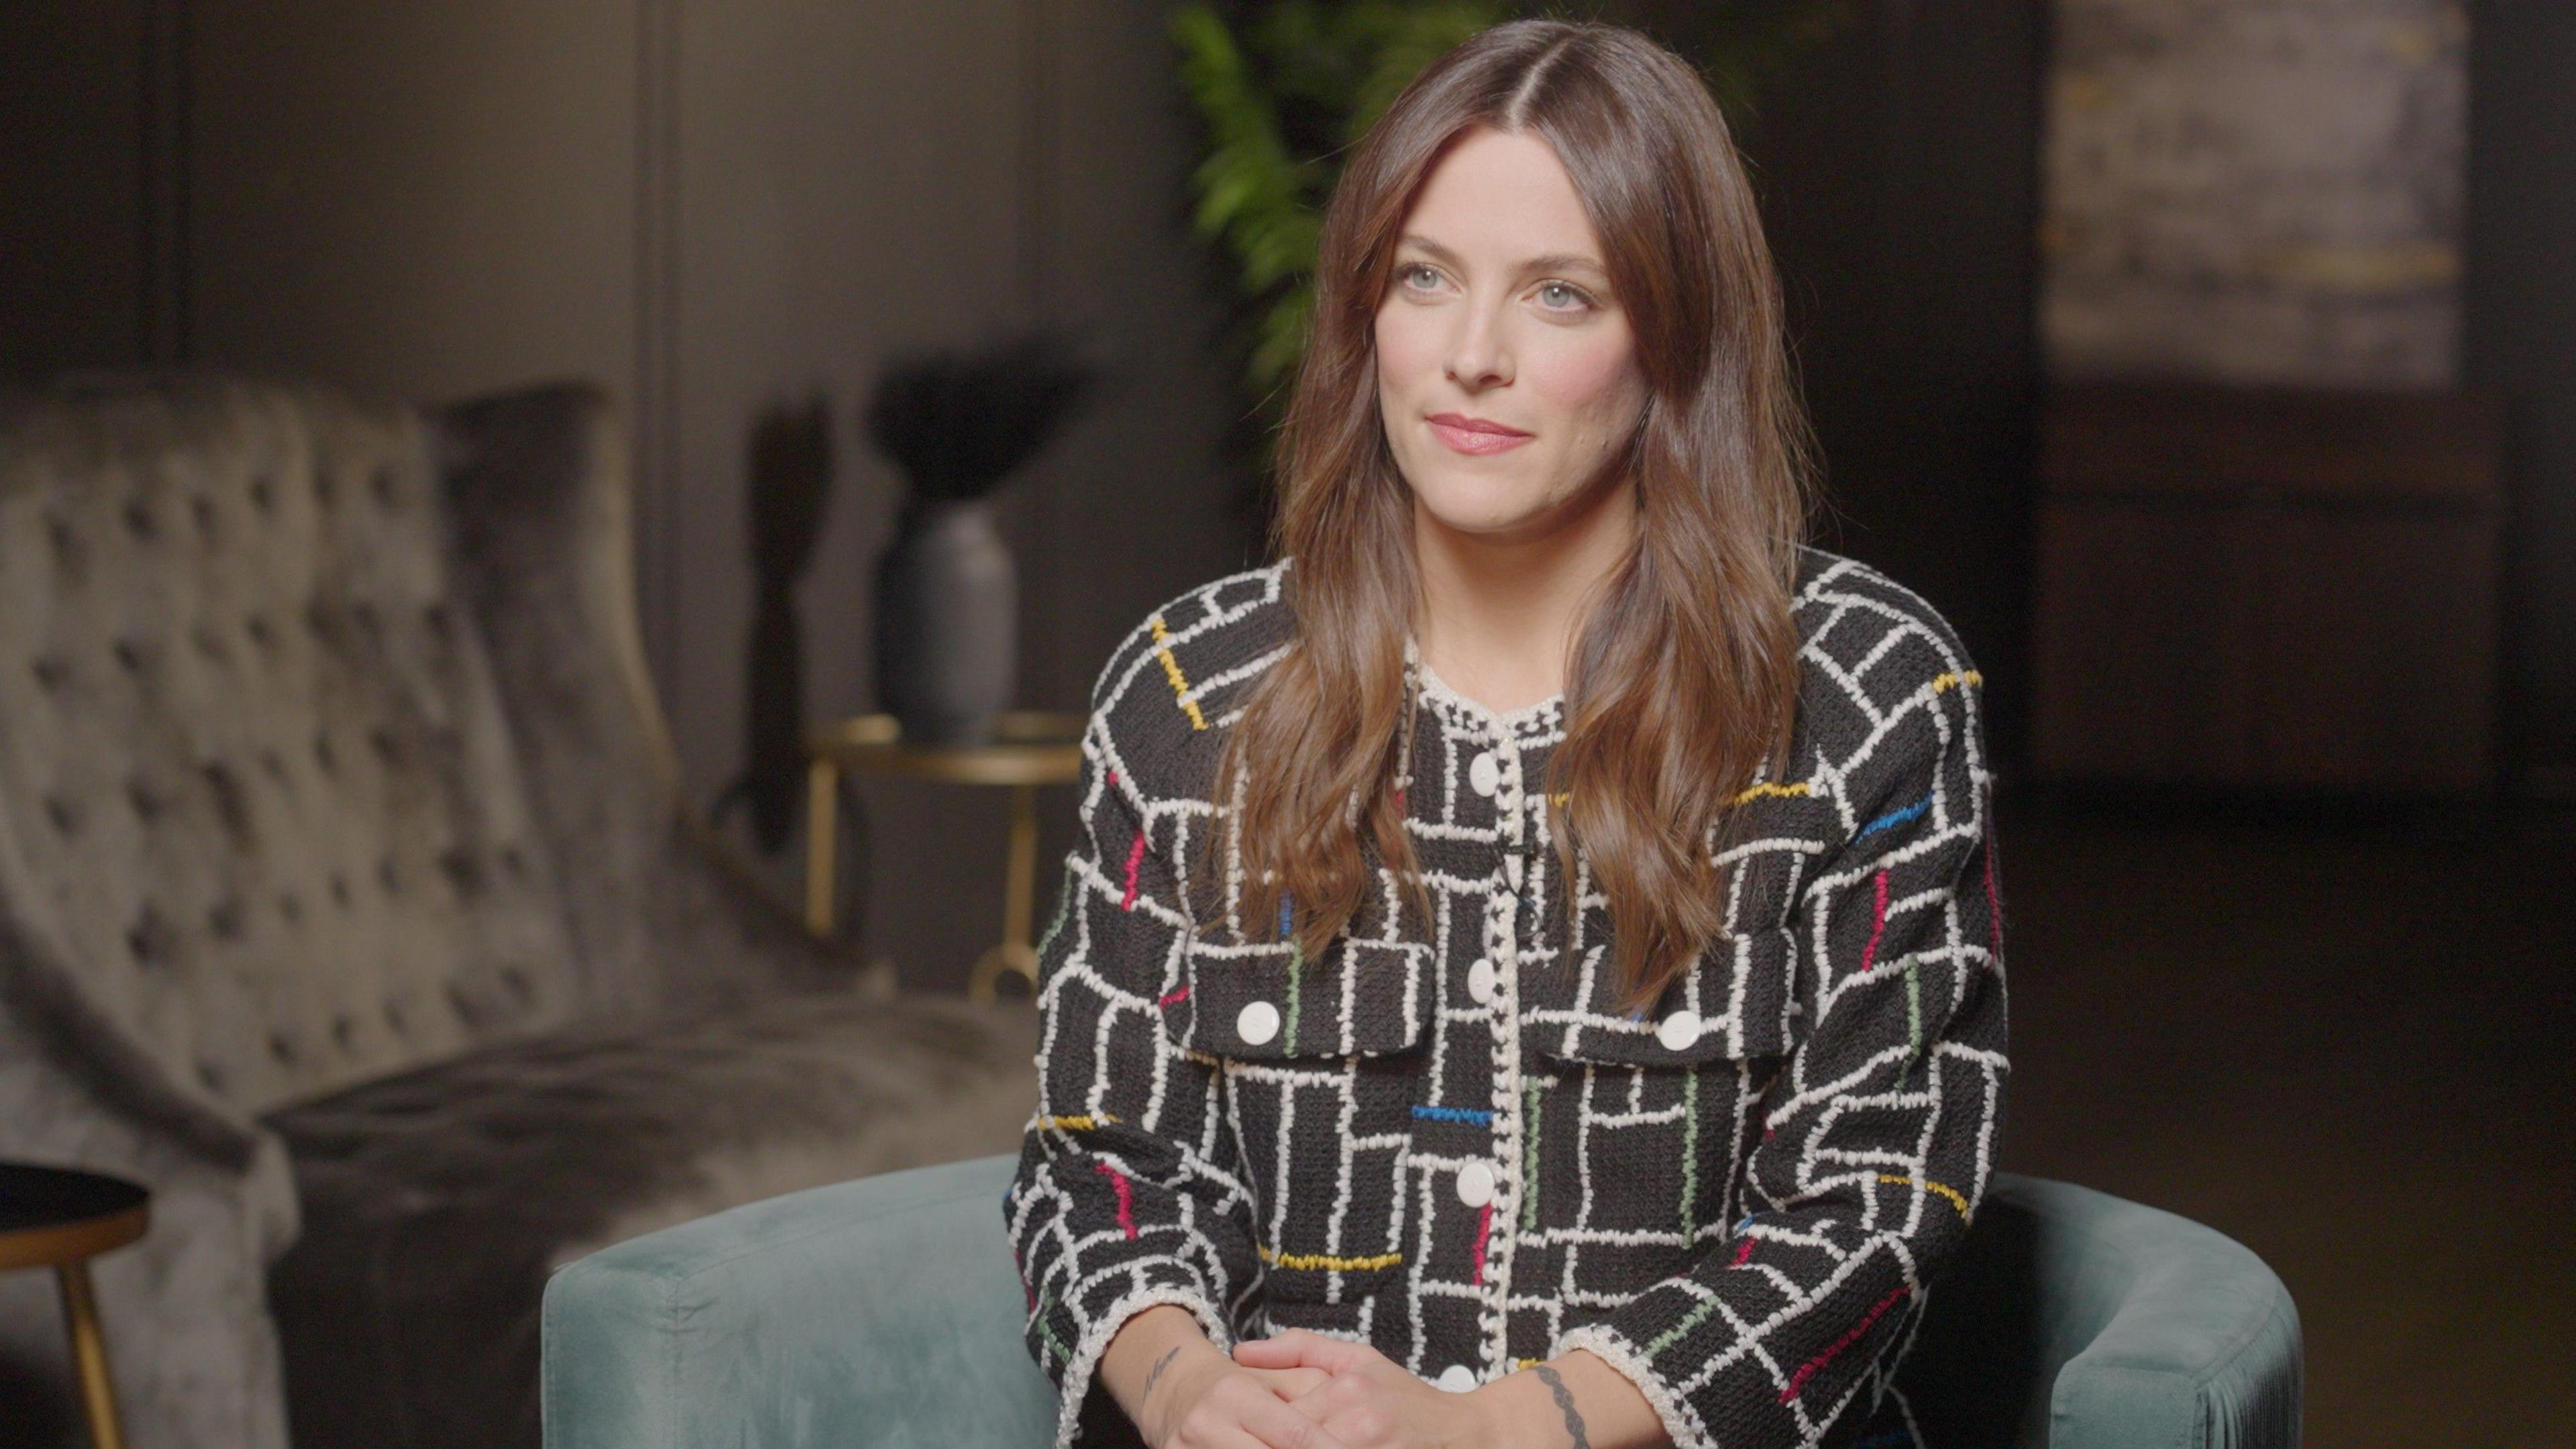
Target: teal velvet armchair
[887,1312]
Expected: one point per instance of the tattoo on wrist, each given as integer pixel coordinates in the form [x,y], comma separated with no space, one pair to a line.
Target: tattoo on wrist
[1565,1401]
[1156,1372]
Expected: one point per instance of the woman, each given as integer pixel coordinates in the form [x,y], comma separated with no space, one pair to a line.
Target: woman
[1532,973]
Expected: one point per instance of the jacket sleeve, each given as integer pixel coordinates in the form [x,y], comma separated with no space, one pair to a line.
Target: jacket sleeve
[1879,1130]
[1127,1193]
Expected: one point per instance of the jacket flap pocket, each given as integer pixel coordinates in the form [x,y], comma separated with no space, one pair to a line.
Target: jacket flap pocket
[1739,999]
[1360,998]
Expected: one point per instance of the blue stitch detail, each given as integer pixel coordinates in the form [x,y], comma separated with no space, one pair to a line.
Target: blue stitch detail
[1454,1114]
[1894,818]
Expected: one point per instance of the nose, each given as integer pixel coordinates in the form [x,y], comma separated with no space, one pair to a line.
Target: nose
[1478,355]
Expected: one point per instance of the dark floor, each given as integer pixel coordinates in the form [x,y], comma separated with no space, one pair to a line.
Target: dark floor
[2344,1041]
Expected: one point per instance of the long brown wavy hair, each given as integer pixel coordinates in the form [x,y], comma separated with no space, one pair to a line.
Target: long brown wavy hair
[1683,680]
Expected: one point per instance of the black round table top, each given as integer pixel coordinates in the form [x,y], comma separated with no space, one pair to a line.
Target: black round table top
[34,1197]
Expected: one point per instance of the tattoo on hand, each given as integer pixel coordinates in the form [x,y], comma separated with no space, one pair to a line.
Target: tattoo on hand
[1564,1400]
[1156,1372]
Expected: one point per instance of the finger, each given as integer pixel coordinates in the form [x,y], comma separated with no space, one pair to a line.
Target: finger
[1280,1426]
[1280,1352]
[1335,1389]
[1296,1348]
[1291,1384]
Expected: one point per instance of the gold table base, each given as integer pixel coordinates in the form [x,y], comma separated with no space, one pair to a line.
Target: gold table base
[66,1246]
[1029,748]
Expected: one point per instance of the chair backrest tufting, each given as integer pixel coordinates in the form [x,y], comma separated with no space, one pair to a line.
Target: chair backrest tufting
[255,775]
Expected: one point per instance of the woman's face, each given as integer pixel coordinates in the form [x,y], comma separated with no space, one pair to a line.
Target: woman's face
[1505,367]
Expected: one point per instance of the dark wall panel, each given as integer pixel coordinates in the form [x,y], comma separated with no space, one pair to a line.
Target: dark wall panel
[2521,342]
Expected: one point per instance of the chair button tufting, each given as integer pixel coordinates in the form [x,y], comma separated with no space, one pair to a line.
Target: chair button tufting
[1257,1023]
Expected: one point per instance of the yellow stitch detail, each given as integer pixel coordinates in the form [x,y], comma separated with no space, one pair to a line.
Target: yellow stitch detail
[1079,1121]
[1954,678]
[1798,790]
[1172,671]
[1327,1262]
[1522,1363]
[1951,1193]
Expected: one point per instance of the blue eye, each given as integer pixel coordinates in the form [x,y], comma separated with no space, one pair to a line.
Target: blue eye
[1567,289]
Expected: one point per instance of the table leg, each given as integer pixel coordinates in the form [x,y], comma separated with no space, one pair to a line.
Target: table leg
[89,1354]
[1024,865]
[822,801]
[1019,883]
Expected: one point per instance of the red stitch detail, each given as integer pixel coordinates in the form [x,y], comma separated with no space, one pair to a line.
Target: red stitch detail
[1743,1253]
[1484,1227]
[1994,907]
[1126,1197]
[1799,1379]
[1399,799]
[1176,998]
[1113,777]
[1136,858]
[1877,925]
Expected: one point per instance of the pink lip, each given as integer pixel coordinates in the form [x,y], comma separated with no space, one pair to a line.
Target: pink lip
[1475,435]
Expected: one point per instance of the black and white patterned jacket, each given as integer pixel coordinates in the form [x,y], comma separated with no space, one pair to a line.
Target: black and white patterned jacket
[1457,1149]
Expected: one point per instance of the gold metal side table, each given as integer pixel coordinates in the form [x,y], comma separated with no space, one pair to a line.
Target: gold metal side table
[1030,748]
[60,1217]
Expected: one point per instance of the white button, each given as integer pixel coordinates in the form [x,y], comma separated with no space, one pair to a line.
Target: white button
[1475,1184]
[1678,1030]
[1457,1378]
[1482,771]
[1480,980]
[1257,1023]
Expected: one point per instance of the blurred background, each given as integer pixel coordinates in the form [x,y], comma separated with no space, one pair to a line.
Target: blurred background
[2211,364]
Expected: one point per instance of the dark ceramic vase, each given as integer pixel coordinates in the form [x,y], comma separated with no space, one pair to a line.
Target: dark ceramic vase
[947,622]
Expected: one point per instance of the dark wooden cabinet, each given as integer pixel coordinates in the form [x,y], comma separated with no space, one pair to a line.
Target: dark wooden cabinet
[2268,589]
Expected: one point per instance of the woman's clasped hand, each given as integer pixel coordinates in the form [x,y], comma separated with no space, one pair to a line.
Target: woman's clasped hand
[1350,1396]
[1303,1391]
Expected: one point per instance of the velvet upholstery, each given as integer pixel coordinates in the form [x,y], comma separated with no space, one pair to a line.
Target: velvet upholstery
[350,899]
[887,1312]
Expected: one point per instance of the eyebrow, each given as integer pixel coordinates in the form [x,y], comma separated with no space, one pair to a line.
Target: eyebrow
[1546,262]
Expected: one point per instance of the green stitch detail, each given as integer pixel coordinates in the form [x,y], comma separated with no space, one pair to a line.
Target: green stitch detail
[1690,1155]
[1913,1017]
[1063,909]
[1690,1320]
[1529,1157]
[1296,990]
[1046,1330]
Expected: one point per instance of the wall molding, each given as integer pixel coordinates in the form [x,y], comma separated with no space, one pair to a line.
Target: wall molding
[654,409]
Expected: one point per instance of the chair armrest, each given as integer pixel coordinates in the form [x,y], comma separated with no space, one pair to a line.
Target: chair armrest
[2203,1348]
[882,1311]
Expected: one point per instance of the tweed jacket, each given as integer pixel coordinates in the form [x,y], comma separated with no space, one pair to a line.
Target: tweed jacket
[1456,1147]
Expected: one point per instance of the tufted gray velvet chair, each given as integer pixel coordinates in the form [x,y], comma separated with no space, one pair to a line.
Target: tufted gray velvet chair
[348,898]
